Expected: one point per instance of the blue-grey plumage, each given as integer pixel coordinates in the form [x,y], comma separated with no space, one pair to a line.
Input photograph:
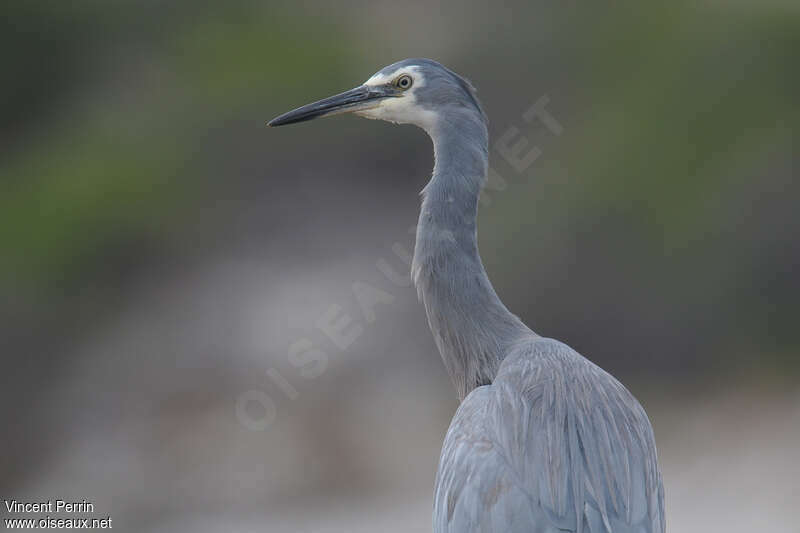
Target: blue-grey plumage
[553,444]
[544,440]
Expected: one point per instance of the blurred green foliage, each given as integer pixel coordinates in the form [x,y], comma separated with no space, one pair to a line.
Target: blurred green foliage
[109,104]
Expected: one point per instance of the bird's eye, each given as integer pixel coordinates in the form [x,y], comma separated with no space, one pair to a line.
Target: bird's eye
[403,82]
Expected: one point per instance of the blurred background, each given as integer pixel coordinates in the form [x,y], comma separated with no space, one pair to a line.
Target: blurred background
[164,254]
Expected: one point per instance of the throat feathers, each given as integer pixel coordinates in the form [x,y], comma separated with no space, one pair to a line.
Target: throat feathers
[471,326]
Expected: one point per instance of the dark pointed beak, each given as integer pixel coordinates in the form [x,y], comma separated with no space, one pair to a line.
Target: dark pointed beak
[360,98]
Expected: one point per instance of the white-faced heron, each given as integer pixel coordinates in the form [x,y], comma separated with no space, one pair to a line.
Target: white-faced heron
[544,440]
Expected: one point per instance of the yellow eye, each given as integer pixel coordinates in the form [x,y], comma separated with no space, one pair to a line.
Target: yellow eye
[403,82]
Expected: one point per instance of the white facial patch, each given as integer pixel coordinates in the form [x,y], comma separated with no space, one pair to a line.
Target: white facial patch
[382,79]
[401,109]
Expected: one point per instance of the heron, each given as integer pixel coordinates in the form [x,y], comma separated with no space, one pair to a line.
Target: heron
[543,440]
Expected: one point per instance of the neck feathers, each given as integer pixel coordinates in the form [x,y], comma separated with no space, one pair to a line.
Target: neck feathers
[471,326]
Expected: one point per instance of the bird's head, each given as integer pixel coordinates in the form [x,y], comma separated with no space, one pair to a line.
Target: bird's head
[412,91]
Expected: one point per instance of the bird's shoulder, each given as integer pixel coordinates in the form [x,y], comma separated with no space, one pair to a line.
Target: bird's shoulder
[539,366]
[554,441]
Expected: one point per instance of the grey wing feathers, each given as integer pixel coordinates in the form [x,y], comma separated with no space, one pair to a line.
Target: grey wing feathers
[554,444]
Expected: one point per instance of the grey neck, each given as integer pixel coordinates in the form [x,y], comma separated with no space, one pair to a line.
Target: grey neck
[471,326]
